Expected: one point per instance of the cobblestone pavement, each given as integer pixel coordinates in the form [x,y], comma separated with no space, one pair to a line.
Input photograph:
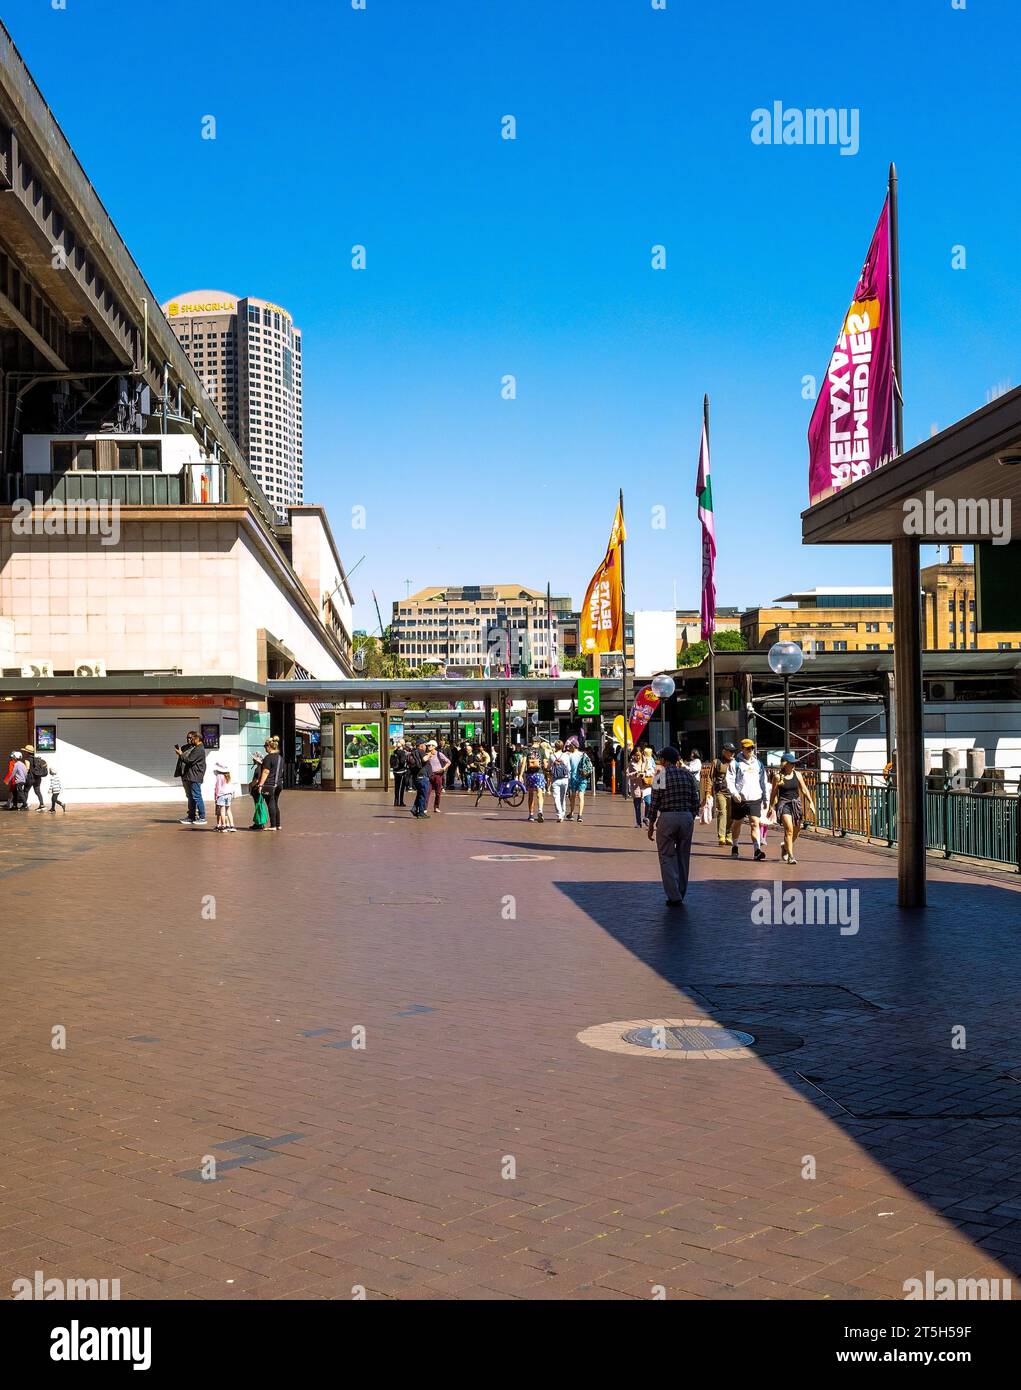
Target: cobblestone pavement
[209,986]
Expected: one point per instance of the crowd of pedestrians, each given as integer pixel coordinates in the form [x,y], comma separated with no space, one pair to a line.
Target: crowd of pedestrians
[266,782]
[27,773]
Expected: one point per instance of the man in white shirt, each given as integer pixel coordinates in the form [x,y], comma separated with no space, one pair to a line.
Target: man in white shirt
[748,786]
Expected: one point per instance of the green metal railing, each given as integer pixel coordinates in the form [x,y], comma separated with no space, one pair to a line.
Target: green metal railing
[959,819]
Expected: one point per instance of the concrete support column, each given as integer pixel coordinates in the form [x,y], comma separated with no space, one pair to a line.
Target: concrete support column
[907,609]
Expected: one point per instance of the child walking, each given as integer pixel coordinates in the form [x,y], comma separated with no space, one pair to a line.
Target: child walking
[223,794]
[56,787]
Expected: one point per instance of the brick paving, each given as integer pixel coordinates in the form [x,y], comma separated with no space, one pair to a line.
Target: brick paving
[191,1035]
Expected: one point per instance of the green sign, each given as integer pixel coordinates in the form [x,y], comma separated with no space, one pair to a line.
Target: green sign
[469,731]
[588,697]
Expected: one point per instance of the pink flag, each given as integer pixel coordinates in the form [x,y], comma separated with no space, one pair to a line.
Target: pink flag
[704,493]
[851,431]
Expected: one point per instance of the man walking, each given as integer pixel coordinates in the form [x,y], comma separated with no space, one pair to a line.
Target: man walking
[748,786]
[672,822]
[418,773]
[721,797]
[191,761]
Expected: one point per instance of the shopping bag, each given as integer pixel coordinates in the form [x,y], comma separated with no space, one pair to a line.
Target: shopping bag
[261,817]
[708,812]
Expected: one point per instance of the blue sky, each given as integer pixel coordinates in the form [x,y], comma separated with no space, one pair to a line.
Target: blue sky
[531,257]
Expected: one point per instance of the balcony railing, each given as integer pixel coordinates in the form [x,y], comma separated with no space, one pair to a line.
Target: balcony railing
[129,488]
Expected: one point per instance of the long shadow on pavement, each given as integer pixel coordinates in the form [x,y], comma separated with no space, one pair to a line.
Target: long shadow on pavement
[876,1011]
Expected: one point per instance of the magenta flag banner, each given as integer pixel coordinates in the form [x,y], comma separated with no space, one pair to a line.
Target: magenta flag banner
[704,493]
[851,431]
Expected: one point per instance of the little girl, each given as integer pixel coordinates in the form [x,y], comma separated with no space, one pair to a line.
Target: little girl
[56,787]
[223,794]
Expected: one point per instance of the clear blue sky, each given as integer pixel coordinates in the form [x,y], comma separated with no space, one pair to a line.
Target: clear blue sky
[532,257]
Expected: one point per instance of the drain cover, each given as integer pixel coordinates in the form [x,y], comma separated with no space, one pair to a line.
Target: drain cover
[689,1037]
[502,858]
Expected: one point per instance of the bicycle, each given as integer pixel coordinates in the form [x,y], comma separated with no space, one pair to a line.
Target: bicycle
[507,791]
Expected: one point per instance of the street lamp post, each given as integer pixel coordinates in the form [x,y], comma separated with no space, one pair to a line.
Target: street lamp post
[785,659]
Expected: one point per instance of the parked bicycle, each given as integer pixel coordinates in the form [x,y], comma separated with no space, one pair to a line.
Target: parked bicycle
[508,790]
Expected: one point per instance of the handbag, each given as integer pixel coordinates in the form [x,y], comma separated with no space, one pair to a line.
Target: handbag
[261,817]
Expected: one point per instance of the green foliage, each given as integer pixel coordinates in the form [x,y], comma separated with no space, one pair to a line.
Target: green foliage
[729,641]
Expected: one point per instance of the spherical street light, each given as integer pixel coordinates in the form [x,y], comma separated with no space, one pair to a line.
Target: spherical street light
[785,658]
[663,686]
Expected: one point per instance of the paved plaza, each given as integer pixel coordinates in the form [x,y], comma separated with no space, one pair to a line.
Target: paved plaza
[214,988]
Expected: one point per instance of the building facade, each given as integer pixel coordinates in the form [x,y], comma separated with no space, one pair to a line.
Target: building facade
[949,609]
[860,619]
[825,620]
[480,627]
[247,353]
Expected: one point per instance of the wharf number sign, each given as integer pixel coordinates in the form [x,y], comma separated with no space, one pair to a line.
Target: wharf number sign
[588,698]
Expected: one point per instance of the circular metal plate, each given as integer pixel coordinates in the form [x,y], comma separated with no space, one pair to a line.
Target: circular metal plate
[684,1039]
[502,858]
[688,1038]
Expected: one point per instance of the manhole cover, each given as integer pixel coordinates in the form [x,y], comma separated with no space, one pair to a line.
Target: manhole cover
[689,1037]
[684,1038]
[504,857]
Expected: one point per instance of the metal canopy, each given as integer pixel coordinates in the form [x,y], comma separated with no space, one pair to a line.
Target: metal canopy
[435,688]
[961,463]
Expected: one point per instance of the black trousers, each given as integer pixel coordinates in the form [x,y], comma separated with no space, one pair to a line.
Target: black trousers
[400,787]
[273,806]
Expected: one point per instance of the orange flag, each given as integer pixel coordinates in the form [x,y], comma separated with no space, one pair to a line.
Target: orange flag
[602,615]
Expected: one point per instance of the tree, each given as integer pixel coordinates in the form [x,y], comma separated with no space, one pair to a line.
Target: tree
[728,641]
[575,663]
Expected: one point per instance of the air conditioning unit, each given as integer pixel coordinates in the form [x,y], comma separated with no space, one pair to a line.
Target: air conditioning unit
[941,690]
[33,669]
[90,668]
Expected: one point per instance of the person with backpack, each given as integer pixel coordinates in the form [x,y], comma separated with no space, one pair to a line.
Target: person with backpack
[33,763]
[559,776]
[399,768]
[418,776]
[532,771]
[750,793]
[718,793]
[40,771]
[582,773]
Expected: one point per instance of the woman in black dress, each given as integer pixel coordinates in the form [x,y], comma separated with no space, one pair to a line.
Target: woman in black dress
[790,796]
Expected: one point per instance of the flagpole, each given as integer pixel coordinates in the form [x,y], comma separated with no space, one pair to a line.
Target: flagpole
[907,656]
[712,654]
[898,391]
[623,628]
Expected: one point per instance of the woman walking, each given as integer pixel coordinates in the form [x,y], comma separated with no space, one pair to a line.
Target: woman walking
[580,780]
[560,774]
[790,795]
[635,776]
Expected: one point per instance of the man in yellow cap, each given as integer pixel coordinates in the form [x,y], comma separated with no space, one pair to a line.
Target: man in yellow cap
[748,786]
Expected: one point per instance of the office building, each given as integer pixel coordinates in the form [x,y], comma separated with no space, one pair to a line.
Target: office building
[472,628]
[247,354]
